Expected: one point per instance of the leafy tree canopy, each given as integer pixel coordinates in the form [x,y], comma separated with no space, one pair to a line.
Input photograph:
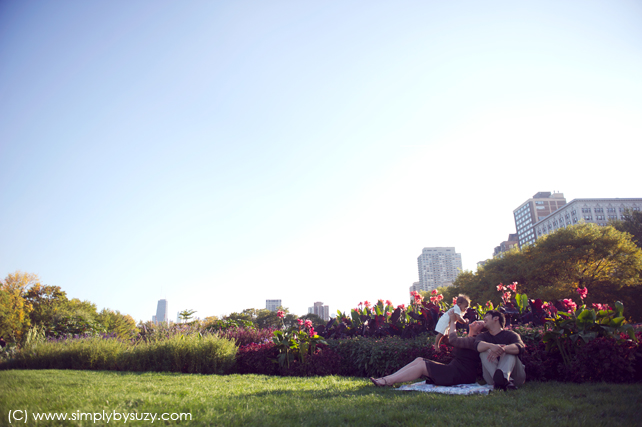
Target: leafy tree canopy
[601,259]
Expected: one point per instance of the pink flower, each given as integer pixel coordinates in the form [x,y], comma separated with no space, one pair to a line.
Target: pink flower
[434,292]
[389,313]
[388,302]
[500,287]
[280,313]
[513,286]
[401,306]
[308,323]
[507,295]
[366,304]
[434,299]
[312,333]
[300,322]
[440,297]
[582,292]
[488,303]
[569,304]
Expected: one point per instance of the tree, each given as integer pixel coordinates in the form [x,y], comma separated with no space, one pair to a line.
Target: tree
[14,308]
[123,325]
[48,303]
[601,259]
[186,315]
[261,317]
[632,224]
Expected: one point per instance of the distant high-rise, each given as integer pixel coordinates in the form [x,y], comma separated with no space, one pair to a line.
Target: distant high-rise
[437,267]
[162,311]
[323,311]
[272,304]
[533,210]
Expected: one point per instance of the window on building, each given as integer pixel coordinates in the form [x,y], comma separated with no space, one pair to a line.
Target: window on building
[599,210]
[610,210]
[586,210]
[588,217]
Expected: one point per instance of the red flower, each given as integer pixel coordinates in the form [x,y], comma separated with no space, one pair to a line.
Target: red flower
[582,292]
[388,302]
[500,287]
[401,306]
[488,303]
[366,304]
[434,299]
[300,322]
[434,292]
[312,333]
[507,296]
[308,323]
[280,313]
[513,286]
[440,297]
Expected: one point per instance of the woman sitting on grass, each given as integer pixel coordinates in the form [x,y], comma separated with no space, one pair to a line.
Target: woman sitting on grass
[462,369]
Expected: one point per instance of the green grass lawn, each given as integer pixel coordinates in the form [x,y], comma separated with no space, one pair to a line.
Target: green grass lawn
[253,400]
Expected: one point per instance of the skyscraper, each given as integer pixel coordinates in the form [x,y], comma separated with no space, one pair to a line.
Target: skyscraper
[272,304]
[323,311]
[438,266]
[162,311]
[533,210]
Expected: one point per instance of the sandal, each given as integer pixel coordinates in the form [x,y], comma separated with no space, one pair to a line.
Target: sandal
[374,381]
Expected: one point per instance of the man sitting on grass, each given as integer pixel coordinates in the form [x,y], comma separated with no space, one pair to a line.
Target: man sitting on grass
[499,353]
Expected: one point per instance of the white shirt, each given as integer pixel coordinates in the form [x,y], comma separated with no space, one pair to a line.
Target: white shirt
[444,320]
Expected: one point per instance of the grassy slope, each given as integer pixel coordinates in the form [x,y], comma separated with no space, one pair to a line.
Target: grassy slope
[252,400]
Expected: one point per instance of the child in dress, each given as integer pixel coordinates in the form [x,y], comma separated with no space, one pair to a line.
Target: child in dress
[459,308]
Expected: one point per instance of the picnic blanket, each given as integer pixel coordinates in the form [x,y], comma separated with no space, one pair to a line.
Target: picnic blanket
[462,389]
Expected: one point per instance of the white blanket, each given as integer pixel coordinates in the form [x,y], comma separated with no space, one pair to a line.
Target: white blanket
[464,389]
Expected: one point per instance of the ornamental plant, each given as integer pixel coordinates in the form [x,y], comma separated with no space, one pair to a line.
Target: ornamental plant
[296,342]
[572,328]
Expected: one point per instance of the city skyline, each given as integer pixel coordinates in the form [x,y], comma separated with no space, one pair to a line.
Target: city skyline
[232,152]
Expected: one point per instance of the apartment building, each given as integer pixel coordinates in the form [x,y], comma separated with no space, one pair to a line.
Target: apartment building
[597,211]
[533,210]
[438,266]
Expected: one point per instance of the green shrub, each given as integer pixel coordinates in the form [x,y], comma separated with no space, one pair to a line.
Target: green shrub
[194,353]
[82,353]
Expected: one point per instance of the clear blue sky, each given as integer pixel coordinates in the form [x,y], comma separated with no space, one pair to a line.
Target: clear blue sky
[221,153]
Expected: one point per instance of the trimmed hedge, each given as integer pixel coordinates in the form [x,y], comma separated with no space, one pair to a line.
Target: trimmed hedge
[600,360]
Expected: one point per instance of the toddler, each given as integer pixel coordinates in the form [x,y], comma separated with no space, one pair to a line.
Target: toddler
[460,307]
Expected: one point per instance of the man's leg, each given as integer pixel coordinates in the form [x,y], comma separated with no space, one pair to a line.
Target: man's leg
[512,369]
[488,367]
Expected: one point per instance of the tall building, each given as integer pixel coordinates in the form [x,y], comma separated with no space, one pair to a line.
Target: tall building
[437,267]
[597,211]
[162,311]
[272,304]
[506,245]
[533,210]
[323,311]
